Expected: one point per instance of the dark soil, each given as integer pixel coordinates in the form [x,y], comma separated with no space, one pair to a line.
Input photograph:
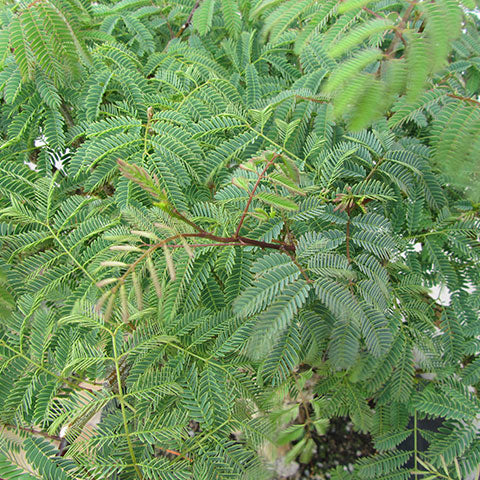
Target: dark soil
[341,445]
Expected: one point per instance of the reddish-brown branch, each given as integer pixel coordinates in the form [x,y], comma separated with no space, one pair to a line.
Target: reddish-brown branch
[172,35]
[464,99]
[32,4]
[302,270]
[32,431]
[222,241]
[347,238]
[371,12]
[189,19]
[178,215]
[312,99]
[173,452]
[373,170]
[66,114]
[197,245]
[245,241]
[399,29]
[252,193]
[275,246]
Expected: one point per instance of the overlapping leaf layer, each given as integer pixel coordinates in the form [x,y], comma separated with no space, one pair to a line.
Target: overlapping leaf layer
[211,213]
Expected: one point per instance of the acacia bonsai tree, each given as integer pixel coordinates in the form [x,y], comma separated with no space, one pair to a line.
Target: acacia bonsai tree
[220,225]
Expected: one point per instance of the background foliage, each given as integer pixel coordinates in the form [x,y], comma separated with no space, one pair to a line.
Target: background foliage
[220,222]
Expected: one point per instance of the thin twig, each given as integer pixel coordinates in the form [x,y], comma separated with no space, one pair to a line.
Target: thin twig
[173,452]
[347,238]
[375,14]
[252,193]
[145,254]
[198,245]
[312,99]
[66,114]
[302,270]
[223,241]
[373,170]
[189,19]
[121,399]
[399,29]
[32,431]
[46,370]
[464,99]
[183,218]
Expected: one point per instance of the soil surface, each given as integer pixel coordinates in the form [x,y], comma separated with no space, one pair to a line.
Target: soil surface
[341,445]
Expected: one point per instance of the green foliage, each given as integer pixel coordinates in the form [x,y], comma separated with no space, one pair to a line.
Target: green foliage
[210,221]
